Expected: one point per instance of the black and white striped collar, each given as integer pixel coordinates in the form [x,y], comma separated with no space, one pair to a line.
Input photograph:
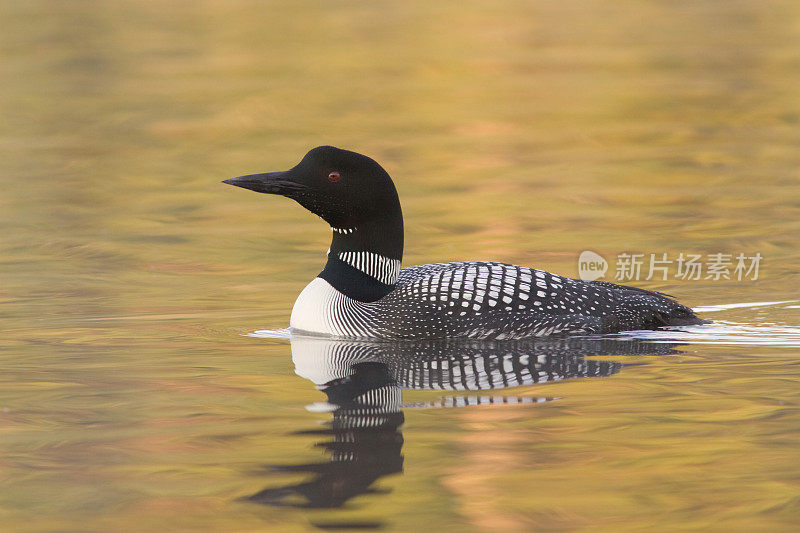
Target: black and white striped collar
[350,276]
[384,269]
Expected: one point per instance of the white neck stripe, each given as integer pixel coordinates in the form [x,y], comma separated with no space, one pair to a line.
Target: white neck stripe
[343,231]
[379,267]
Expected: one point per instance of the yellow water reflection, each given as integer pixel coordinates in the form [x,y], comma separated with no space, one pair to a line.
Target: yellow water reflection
[524,132]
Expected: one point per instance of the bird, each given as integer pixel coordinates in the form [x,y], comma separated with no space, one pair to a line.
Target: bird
[363,293]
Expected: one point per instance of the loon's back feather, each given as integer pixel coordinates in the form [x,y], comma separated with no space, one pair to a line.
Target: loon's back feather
[502,301]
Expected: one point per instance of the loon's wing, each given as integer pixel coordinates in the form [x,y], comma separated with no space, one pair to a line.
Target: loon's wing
[410,274]
[496,300]
[642,309]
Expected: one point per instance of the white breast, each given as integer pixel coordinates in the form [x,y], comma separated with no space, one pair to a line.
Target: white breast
[322,309]
[312,309]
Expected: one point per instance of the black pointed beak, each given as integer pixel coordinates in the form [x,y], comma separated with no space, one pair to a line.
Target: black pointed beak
[268,182]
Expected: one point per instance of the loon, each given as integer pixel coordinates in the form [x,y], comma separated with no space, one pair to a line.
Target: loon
[363,293]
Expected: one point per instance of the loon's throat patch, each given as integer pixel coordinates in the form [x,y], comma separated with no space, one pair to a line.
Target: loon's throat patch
[379,267]
[354,282]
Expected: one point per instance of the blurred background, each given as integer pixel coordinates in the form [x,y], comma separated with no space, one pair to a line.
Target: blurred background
[523,132]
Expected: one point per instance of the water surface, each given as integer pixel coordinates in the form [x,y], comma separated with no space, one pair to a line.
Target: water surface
[133,394]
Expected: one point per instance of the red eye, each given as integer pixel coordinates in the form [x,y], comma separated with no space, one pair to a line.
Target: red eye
[333,177]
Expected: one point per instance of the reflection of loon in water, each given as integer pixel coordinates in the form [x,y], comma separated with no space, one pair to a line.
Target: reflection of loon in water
[363,383]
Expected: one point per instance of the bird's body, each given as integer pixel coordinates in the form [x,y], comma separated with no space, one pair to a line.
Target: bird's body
[363,292]
[483,300]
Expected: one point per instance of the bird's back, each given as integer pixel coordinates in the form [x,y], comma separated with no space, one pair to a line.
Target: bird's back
[500,301]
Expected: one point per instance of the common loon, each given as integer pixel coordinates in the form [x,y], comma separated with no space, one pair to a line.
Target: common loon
[363,293]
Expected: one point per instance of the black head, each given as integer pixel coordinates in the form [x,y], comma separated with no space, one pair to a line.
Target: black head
[350,191]
[345,188]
